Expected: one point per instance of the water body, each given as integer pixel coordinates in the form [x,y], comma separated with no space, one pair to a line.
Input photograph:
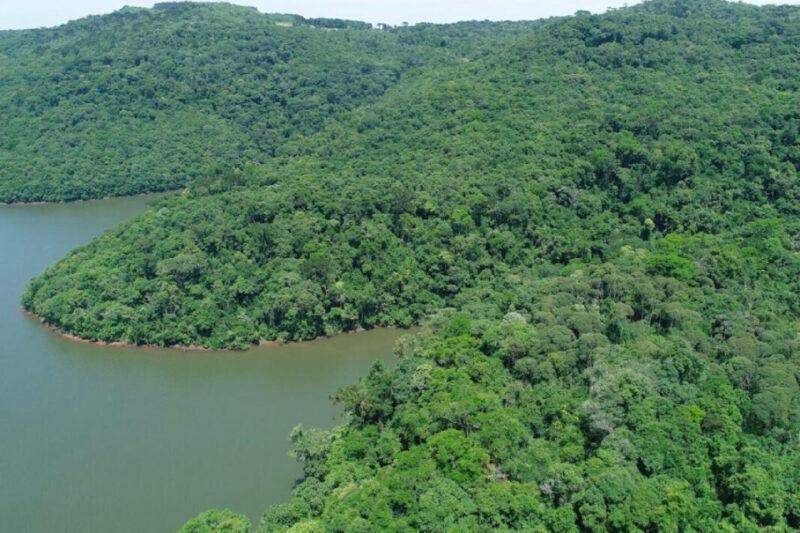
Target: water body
[98,439]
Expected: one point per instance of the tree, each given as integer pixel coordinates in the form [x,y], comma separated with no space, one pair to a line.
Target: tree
[215,521]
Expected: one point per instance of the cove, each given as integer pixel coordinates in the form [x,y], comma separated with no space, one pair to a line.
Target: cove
[97,439]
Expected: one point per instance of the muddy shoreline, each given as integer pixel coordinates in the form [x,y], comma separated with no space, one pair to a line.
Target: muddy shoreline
[264,343]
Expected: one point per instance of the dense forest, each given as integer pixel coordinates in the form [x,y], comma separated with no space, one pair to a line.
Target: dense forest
[595,218]
[146,100]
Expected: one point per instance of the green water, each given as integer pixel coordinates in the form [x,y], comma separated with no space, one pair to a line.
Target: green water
[96,439]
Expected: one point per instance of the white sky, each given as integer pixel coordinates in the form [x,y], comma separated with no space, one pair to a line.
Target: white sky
[16,14]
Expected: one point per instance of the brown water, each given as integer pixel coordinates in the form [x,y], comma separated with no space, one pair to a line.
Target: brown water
[96,439]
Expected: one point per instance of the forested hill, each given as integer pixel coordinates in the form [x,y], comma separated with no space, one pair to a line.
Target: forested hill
[148,99]
[597,224]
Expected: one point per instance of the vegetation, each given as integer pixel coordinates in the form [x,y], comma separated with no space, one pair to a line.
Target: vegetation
[596,220]
[214,521]
[147,99]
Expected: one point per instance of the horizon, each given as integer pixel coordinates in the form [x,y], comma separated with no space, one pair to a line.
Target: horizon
[18,15]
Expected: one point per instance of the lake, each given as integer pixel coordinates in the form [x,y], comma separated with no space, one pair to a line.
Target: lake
[99,439]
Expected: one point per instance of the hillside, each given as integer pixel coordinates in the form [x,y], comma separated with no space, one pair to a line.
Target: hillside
[146,100]
[596,222]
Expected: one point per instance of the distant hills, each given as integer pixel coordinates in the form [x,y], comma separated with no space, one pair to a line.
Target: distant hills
[146,100]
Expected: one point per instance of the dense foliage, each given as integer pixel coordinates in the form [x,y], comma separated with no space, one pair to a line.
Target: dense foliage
[598,218]
[215,521]
[146,99]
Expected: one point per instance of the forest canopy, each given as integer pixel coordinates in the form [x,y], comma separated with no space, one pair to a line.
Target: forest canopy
[146,100]
[595,218]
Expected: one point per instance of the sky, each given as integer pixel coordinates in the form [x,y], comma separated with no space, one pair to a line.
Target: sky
[18,14]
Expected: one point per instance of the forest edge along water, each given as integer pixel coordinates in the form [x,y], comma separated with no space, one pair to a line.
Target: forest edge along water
[264,343]
[113,438]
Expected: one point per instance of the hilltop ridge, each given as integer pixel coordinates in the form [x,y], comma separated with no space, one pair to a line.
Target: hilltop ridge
[149,99]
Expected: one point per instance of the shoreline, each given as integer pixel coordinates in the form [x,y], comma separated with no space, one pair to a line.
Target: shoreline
[263,343]
[81,200]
